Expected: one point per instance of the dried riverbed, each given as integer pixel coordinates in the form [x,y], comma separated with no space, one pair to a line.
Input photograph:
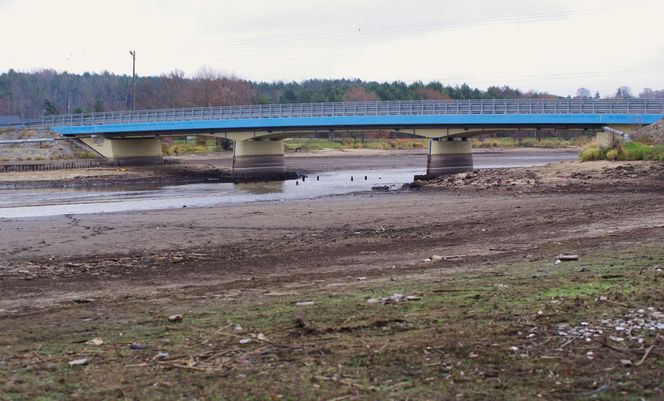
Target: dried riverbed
[296,300]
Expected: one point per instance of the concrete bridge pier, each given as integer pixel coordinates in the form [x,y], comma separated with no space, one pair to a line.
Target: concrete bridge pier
[449,155]
[127,151]
[259,159]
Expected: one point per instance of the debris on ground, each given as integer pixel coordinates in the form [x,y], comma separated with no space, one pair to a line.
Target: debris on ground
[137,346]
[633,327]
[161,355]
[79,362]
[392,299]
[95,341]
[568,176]
[175,318]
[567,257]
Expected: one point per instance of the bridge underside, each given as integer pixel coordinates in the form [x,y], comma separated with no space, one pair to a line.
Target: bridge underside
[260,153]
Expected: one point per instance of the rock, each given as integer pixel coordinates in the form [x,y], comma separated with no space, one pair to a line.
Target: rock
[137,346]
[79,362]
[373,300]
[175,318]
[436,258]
[564,257]
[245,340]
[262,337]
[626,362]
[380,188]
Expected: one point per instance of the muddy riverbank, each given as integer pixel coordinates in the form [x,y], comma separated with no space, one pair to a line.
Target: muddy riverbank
[210,168]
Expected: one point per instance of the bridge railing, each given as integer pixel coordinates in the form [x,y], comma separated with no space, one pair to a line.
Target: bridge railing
[352,109]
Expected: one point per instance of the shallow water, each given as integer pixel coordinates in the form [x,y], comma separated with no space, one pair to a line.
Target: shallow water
[49,202]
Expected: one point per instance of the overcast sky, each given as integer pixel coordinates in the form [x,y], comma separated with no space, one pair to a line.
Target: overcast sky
[554,46]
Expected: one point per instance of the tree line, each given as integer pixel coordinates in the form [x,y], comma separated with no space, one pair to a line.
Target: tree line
[31,94]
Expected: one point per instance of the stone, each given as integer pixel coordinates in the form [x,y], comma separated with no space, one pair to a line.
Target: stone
[175,318]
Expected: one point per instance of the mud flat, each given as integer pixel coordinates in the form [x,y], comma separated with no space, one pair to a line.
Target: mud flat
[450,290]
[217,167]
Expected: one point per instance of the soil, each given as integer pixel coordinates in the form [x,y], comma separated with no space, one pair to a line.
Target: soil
[653,133]
[274,295]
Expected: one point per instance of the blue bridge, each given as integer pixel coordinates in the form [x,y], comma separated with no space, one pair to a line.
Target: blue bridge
[258,130]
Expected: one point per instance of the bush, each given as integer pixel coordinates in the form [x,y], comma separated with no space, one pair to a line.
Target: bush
[87,155]
[591,152]
[636,151]
[628,151]
[657,153]
[612,155]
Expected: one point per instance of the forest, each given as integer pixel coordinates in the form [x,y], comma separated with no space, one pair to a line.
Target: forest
[44,92]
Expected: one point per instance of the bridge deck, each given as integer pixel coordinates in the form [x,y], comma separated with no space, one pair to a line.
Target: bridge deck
[516,113]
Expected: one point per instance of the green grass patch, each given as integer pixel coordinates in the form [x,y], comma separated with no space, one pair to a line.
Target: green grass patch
[627,151]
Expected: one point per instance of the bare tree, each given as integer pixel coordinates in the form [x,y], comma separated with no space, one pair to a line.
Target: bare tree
[583,93]
[624,92]
[648,93]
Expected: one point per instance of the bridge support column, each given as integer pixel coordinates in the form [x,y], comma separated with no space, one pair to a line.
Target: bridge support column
[449,156]
[259,159]
[128,151]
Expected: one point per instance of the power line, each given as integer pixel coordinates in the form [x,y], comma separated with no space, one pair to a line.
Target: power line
[401,28]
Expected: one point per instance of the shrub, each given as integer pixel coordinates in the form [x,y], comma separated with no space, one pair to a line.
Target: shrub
[612,155]
[628,151]
[637,151]
[591,152]
[657,153]
[86,155]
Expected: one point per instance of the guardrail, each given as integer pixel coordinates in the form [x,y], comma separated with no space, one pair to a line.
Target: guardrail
[351,109]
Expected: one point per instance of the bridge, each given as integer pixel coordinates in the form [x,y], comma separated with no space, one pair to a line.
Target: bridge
[132,137]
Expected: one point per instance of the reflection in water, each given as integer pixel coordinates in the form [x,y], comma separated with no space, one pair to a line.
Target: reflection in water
[35,203]
[260,188]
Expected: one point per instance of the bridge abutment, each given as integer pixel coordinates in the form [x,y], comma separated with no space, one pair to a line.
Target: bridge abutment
[259,159]
[449,156]
[128,151]
[613,135]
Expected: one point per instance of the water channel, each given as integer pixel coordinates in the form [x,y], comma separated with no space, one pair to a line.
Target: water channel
[51,202]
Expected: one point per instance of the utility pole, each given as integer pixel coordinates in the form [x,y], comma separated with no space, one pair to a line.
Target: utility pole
[133,79]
